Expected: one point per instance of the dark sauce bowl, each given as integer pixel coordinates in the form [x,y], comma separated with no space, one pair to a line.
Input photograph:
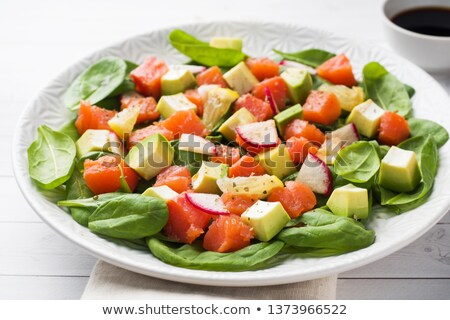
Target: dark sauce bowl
[419,31]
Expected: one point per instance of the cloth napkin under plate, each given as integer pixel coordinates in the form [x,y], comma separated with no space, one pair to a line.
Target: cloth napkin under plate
[108,282]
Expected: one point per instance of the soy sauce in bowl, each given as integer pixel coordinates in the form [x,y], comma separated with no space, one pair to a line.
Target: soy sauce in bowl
[434,21]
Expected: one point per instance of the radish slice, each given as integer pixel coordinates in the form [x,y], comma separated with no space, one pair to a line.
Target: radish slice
[271,101]
[196,144]
[293,64]
[315,174]
[193,69]
[259,134]
[207,202]
[347,134]
[337,140]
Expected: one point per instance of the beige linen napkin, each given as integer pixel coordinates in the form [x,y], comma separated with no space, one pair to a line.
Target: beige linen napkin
[111,282]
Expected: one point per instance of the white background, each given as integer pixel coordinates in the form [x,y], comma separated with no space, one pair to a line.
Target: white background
[38,39]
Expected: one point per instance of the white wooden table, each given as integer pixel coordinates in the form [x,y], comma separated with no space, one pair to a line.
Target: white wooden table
[38,39]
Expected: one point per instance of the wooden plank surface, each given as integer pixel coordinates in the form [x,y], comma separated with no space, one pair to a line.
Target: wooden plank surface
[393,289]
[38,39]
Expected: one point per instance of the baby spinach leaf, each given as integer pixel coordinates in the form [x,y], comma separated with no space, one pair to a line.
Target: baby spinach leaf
[358,163]
[51,158]
[427,155]
[385,89]
[194,257]
[420,127]
[110,103]
[76,188]
[310,57]
[410,90]
[96,82]
[90,203]
[191,160]
[324,233]
[70,130]
[202,52]
[131,216]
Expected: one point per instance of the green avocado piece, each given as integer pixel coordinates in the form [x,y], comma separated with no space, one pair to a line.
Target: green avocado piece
[283,118]
[242,116]
[162,192]
[366,117]
[98,140]
[150,156]
[299,83]
[176,81]
[266,219]
[240,78]
[349,201]
[226,43]
[205,180]
[168,105]
[277,161]
[399,170]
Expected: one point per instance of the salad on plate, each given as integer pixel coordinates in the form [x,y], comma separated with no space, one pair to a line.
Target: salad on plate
[233,163]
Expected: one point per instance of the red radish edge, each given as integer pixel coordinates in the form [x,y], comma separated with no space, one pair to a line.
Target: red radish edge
[190,198]
[314,176]
[253,144]
[328,173]
[271,101]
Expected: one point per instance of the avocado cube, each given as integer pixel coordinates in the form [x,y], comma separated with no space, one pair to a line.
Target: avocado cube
[162,192]
[283,118]
[266,219]
[299,83]
[240,78]
[226,43]
[205,180]
[98,140]
[242,116]
[349,201]
[366,117]
[217,104]
[176,81]
[399,170]
[348,97]
[168,105]
[123,122]
[277,161]
[150,156]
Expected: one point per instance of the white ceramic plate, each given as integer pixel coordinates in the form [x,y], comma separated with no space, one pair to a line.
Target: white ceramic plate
[430,102]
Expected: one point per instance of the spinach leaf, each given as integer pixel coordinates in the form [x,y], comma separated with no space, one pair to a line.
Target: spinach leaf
[70,130]
[290,177]
[96,82]
[419,127]
[110,103]
[427,155]
[51,158]
[194,257]
[385,89]
[324,234]
[410,90]
[191,160]
[131,216]
[358,163]
[318,81]
[90,203]
[76,188]
[202,52]
[310,57]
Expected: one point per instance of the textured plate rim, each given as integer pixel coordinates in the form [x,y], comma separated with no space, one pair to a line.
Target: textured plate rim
[207,277]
